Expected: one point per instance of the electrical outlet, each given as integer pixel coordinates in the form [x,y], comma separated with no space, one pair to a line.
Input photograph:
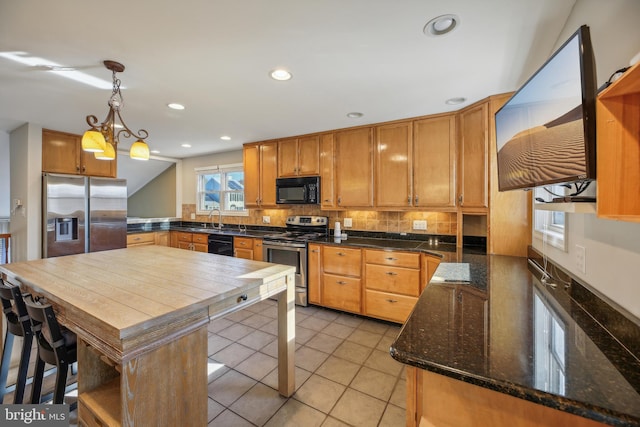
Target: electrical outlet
[193,216]
[348,222]
[419,224]
[266,219]
[581,259]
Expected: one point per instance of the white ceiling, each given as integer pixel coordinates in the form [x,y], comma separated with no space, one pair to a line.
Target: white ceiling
[369,56]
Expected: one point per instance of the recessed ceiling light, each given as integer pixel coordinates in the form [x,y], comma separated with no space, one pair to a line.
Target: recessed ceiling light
[225,138]
[175,106]
[441,25]
[186,145]
[455,101]
[354,115]
[280,74]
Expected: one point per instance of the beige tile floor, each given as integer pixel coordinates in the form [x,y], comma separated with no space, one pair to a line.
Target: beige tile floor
[344,373]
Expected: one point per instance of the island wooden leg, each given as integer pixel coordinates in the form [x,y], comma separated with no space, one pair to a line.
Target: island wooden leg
[287,338]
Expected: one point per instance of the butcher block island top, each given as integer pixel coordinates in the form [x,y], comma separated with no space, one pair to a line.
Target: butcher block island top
[141,313]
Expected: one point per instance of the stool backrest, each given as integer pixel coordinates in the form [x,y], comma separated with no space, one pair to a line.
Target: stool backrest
[14,308]
[47,329]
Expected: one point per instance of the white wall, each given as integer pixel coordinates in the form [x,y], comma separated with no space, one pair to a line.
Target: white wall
[4,174]
[26,185]
[612,247]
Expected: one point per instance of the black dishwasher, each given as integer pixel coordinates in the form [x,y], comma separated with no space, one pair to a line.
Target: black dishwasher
[220,244]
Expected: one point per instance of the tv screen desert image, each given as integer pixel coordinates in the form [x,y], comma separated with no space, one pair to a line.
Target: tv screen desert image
[539,131]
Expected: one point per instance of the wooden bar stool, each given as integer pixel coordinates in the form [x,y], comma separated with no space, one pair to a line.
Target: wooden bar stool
[56,346]
[18,324]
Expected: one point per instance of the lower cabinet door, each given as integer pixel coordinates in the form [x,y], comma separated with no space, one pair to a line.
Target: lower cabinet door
[389,306]
[341,292]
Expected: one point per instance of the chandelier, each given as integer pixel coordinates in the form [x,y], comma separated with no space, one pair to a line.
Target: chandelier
[103,138]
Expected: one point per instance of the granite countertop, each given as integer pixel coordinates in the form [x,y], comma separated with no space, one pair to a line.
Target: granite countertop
[490,321]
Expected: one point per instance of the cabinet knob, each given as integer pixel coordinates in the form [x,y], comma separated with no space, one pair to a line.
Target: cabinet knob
[327,200]
[409,200]
[341,254]
[392,301]
[315,251]
[416,199]
[341,282]
[391,273]
[460,199]
[339,200]
[391,258]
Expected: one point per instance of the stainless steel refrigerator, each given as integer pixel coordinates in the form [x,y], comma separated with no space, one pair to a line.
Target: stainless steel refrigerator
[82,214]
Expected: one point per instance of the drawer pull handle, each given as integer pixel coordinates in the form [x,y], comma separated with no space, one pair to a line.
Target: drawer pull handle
[242,297]
[392,300]
[341,254]
[391,259]
[341,282]
[391,273]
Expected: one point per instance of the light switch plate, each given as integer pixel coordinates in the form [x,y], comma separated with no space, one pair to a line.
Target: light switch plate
[348,222]
[419,224]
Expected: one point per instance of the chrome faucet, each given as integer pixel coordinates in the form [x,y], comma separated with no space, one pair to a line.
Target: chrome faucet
[219,227]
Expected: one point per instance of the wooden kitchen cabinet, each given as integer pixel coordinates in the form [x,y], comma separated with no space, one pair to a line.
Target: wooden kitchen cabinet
[434,162]
[392,284]
[327,181]
[198,242]
[393,165]
[354,168]
[141,239]
[299,156]
[247,248]
[243,247]
[314,273]
[472,192]
[62,153]
[260,164]
[341,278]
[618,154]
[429,265]
[162,238]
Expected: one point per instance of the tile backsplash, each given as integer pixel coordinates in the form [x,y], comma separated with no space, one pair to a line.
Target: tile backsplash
[444,223]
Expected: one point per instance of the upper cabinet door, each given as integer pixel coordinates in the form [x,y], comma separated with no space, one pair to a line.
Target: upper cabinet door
[309,155]
[473,158]
[434,162]
[327,181]
[288,157]
[60,152]
[354,167]
[268,173]
[393,162]
[251,166]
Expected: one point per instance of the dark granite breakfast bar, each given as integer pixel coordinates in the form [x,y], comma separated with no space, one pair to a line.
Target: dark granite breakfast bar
[492,322]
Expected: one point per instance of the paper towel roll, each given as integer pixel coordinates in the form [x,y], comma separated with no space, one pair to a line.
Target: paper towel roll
[336,229]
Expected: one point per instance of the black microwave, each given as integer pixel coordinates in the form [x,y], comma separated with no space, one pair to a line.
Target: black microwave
[298,191]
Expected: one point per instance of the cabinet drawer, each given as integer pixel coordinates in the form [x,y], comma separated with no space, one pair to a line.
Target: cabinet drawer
[398,259]
[341,292]
[393,279]
[389,306]
[141,239]
[184,245]
[243,242]
[201,247]
[200,238]
[342,260]
[184,237]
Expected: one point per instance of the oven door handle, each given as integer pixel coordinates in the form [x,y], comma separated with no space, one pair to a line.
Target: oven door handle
[284,246]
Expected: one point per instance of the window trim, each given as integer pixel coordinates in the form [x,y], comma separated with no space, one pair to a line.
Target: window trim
[223,169]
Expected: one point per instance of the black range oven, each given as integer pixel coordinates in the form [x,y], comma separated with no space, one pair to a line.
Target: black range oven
[290,247]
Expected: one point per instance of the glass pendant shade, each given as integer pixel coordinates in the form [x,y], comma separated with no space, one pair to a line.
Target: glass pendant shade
[109,153]
[93,141]
[139,151]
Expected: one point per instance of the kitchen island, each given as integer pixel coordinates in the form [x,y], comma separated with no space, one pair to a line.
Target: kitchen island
[490,343]
[141,316]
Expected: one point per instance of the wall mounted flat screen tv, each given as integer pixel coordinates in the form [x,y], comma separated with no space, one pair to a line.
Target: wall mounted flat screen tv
[545,133]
